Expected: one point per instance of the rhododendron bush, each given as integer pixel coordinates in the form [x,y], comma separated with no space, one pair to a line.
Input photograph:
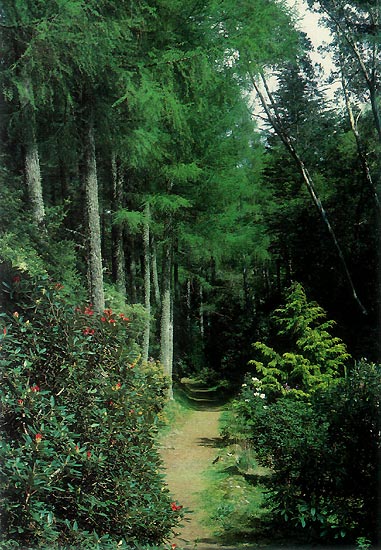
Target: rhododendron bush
[78,463]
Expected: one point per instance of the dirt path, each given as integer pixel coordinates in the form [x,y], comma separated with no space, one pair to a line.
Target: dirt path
[187,453]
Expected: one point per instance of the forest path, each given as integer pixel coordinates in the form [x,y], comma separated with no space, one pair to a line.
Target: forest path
[188,451]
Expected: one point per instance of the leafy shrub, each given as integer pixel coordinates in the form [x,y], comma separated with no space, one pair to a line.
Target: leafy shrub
[77,463]
[313,357]
[323,452]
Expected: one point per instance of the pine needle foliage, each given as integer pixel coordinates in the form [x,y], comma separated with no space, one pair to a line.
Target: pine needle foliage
[314,357]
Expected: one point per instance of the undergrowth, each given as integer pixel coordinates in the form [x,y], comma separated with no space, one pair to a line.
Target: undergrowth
[234,498]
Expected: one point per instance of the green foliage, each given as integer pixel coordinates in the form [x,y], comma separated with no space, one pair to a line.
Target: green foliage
[323,453]
[79,409]
[315,357]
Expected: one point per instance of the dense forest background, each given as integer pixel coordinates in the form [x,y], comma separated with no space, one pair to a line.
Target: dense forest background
[185,157]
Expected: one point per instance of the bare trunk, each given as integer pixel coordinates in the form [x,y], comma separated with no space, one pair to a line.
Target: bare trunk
[33,180]
[166,330]
[32,161]
[93,221]
[276,122]
[118,257]
[155,278]
[360,149]
[147,283]
[201,311]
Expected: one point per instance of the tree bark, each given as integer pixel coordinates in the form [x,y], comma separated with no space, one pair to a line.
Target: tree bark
[33,178]
[155,278]
[96,290]
[32,162]
[147,283]
[166,330]
[118,257]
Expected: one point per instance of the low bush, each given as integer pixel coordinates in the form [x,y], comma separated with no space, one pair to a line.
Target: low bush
[323,452]
[78,464]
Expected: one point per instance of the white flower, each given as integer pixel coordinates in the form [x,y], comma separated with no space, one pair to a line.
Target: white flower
[244,385]
[254,379]
[256,394]
[247,400]
[262,396]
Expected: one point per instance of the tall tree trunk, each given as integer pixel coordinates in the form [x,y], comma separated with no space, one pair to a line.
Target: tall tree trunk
[276,122]
[33,178]
[147,283]
[32,161]
[93,221]
[201,312]
[360,148]
[166,331]
[155,278]
[132,266]
[118,257]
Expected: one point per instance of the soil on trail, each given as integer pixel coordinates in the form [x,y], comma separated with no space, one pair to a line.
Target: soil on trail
[187,452]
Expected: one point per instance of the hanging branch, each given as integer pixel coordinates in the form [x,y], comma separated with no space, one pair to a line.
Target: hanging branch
[276,122]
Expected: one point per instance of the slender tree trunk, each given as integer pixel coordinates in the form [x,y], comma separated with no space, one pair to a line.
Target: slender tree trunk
[132,270]
[33,179]
[147,283]
[189,307]
[118,257]
[360,149]
[276,122]
[32,162]
[93,221]
[166,331]
[201,313]
[155,278]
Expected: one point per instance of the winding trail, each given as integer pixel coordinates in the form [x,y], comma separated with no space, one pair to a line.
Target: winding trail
[187,452]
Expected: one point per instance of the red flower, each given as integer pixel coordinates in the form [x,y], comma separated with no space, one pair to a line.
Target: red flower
[88,454]
[88,311]
[87,331]
[35,388]
[16,279]
[38,438]
[107,312]
[5,331]
[77,449]
[58,286]
[118,386]
[103,319]
[173,546]
[20,401]
[175,507]
[112,320]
